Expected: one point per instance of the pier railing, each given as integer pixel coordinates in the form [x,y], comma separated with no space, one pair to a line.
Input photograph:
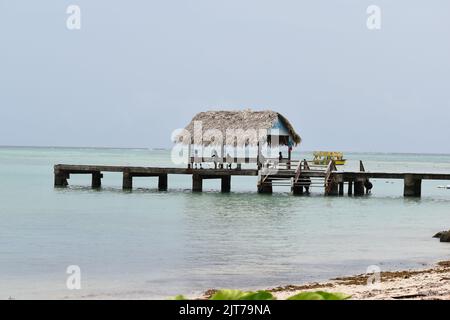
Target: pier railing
[329,183]
[274,166]
[302,166]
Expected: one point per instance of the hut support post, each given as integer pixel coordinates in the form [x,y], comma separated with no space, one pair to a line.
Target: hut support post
[226,184]
[222,157]
[412,186]
[162,182]
[258,157]
[190,162]
[96,179]
[127,181]
[359,188]
[289,158]
[61,178]
[197,183]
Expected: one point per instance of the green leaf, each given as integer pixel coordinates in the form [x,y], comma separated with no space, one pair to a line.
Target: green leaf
[180,297]
[334,295]
[259,295]
[240,295]
[319,295]
[227,294]
[306,296]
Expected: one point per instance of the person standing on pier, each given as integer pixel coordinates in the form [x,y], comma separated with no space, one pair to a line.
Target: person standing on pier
[196,159]
[214,157]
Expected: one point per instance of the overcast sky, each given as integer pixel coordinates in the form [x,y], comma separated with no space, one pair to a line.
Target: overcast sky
[137,70]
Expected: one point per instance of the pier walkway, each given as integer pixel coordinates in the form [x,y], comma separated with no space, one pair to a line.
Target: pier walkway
[63,171]
[299,175]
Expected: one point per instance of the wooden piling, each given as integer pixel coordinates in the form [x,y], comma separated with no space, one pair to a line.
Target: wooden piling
[162,182]
[96,179]
[357,181]
[268,189]
[226,184]
[265,187]
[359,188]
[197,183]
[412,186]
[341,188]
[297,190]
[350,187]
[333,189]
[307,184]
[61,178]
[127,181]
[331,186]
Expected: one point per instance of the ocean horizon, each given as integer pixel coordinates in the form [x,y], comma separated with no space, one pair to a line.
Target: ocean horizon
[168,148]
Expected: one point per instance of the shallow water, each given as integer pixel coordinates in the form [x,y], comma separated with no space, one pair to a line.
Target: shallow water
[150,244]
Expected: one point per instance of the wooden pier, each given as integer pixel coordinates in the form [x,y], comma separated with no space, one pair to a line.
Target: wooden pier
[299,175]
[412,181]
[63,172]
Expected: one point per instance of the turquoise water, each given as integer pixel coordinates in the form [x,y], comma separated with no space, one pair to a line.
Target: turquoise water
[150,244]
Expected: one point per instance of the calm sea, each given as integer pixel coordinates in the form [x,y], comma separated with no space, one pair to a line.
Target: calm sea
[150,244]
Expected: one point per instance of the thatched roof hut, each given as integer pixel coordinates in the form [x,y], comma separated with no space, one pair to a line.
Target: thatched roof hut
[205,126]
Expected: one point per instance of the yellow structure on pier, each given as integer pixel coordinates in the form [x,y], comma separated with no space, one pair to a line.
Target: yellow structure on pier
[324,157]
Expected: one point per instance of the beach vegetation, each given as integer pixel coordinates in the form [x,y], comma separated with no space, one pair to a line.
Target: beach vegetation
[319,295]
[230,294]
[240,295]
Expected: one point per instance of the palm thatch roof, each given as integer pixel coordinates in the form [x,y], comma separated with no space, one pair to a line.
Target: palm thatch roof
[246,120]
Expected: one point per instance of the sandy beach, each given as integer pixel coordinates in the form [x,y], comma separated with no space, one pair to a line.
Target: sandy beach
[420,284]
[428,283]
